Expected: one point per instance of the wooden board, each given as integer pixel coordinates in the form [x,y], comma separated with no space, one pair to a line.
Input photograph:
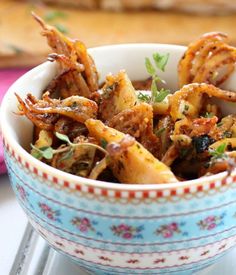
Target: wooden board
[21,43]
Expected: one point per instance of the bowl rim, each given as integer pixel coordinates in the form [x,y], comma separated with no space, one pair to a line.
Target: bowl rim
[17,149]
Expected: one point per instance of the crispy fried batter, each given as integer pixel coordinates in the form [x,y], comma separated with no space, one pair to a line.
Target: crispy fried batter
[138,122]
[191,96]
[138,139]
[134,164]
[46,112]
[205,58]
[81,63]
[118,95]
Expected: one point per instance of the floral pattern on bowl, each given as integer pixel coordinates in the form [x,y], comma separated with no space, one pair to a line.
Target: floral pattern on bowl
[49,212]
[211,222]
[127,232]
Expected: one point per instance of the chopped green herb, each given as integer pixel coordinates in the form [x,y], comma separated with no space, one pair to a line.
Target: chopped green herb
[186,107]
[43,152]
[220,124]
[159,131]
[35,152]
[161,95]
[208,115]
[61,28]
[103,143]
[160,63]
[65,151]
[63,138]
[150,69]
[154,88]
[219,152]
[144,97]
[52,15]
[161,60]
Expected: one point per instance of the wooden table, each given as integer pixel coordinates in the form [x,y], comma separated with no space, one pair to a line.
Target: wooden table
[21,43]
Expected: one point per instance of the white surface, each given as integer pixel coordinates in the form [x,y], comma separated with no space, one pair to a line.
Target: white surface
[12,226]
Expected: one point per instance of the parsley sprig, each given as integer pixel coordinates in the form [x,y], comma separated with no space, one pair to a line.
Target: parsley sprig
[160,62]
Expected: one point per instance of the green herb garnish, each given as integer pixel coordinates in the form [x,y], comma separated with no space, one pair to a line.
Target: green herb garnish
[161,95]
[48,152]
[186,107]
[43,152]
[63,138]
[160,62]
[61,28]
[55,14]
[104,143]
[219,152]
[144,97]
[208,115]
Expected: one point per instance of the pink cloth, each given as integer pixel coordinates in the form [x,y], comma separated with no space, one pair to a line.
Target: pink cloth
[7,77]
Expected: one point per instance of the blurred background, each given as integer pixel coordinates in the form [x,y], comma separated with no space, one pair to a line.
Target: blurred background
[99,22]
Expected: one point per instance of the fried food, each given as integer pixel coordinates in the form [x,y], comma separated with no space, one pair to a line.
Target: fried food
[205,58]
[130,161]
[44,113]
[135,134]
[79,64]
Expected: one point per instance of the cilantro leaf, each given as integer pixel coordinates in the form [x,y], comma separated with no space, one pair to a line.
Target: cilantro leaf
[161,60]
